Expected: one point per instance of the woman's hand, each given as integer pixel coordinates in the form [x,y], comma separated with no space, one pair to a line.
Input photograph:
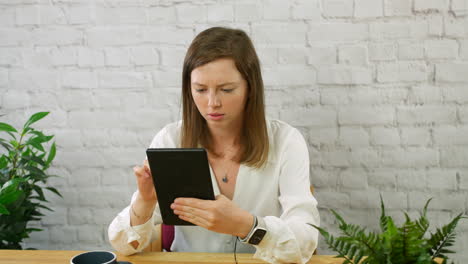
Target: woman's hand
[145,183]
[220,215]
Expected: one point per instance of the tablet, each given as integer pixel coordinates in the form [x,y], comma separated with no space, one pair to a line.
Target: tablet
[179,172]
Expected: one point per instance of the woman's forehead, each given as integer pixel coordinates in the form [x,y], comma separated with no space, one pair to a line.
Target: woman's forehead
[221,70]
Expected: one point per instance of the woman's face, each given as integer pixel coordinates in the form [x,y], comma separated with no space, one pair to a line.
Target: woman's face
[219,92]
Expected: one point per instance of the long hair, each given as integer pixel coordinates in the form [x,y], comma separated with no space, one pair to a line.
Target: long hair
[212,44]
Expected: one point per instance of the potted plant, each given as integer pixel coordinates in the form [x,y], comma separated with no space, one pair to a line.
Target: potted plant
[23,178]
[409,243]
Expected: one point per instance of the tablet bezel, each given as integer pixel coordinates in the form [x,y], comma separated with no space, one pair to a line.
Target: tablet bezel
[172,179]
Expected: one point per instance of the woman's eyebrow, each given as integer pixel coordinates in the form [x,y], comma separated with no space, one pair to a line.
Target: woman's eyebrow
[219,85]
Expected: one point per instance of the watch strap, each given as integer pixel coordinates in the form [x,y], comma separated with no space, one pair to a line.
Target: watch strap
[255,223]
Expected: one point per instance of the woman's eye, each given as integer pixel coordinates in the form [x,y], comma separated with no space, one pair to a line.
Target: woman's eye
[200,90]
[227,90]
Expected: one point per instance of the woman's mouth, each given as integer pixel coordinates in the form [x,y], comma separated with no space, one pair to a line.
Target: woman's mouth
[216,116]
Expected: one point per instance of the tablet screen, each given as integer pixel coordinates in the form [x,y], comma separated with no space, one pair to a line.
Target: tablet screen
[179,172]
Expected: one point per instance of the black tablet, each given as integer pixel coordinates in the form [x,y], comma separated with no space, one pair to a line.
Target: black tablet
[179,172]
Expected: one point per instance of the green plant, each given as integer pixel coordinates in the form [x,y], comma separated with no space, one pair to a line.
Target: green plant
[23,177]
[408,243]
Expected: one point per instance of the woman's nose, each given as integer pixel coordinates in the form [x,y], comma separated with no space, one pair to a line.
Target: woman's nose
[213,100]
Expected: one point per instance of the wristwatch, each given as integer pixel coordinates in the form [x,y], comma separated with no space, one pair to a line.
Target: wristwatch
[257,233]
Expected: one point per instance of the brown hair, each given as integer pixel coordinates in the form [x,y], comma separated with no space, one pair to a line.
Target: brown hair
[212,44]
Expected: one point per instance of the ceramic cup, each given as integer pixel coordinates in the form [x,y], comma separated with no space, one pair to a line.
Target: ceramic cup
[96,257]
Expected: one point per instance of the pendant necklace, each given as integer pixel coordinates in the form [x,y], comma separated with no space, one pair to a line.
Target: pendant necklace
[225,178]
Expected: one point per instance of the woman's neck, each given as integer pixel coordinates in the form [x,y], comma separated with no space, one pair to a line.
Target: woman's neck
[225,139]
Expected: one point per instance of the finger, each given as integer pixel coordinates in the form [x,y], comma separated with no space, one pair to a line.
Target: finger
[190,210]
[193,202]
[146,166]
[140,172]
[192,218]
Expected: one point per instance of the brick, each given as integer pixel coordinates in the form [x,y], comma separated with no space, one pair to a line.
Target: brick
[97,119]
[463,113]
[161,15]
[167,78]
[353,55]
[333,199]
[454,156]
[63,234]
[88,57]
[371,96]
[398,8]
[7,16]
[68,138]
[52,15]
[172,56]
[410,180]
[56,36]
[289,75]
[85,177]
[455,28]
[27,15]
[88,234]
[426,114]
[75,99]
[146,118]
[306,9]
[440,201]
[220,13]
[64,56]
[44,98]
[337,32]
[11,57]
[350,136]
[56,119]
[340,74]
[276,10]
[370,199]
[382,179]
[80,80]
[354,179]
[144,56]
[462,175]
[431,5]
[191,13]
[279,33]
[455,93]
[441,49]
[118,36]
[382,51]
[412,157]
[410,50]
[296,55]
[80,14]
[57,217]
[334,96]
[320,55]
[3,78]
[364,157]
[421,94]
[415,136]
[124,80]
[116,57]
[12,99]
[168,35]
[322,136]
[356,115]
[312,116]
[436,25]
[120,15]
[14,36]
[38,57]
[451,135]
[322,179]
[451,72]
[442,179]
[368,8]
[464,49]
[244,12]
[385,136]
[302,97]
[402,72]
[337,8]
[44,80]
[398,30]
[459,7]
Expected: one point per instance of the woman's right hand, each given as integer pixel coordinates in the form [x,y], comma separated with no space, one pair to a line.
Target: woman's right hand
[145,182]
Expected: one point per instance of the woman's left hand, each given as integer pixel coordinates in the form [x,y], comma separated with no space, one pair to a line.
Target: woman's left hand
[221,215]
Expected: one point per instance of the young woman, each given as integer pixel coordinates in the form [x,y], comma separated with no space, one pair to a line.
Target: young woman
[260,167]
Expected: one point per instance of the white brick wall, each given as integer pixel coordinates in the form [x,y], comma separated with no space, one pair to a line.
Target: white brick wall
[378,88]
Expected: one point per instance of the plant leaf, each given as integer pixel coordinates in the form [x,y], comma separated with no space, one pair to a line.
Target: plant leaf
[52,152]
[34,118]
[52,189]
[7,128]
[3,210]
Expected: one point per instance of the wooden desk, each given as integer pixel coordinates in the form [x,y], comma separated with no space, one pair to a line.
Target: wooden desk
[63,257]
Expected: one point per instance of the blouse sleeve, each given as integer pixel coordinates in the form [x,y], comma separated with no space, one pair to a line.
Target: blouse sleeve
[120,233]
[290,238]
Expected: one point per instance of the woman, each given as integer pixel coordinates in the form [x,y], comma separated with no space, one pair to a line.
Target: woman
[260,168]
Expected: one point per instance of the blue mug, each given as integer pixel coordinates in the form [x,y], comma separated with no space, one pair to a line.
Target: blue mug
[96,257]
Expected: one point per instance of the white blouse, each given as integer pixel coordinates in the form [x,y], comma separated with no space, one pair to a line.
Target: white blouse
[279,192]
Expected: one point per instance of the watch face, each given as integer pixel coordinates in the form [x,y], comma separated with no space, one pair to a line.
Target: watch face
[257,236]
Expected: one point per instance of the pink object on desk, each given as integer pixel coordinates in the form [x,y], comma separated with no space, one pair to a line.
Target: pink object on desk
[167,236]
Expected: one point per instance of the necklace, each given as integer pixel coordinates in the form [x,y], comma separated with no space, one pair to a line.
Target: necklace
[225,178]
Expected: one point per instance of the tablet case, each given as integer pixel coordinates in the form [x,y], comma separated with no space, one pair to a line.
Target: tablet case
[179,172]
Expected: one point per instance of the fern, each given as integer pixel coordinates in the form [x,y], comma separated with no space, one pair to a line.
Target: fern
[394,245]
